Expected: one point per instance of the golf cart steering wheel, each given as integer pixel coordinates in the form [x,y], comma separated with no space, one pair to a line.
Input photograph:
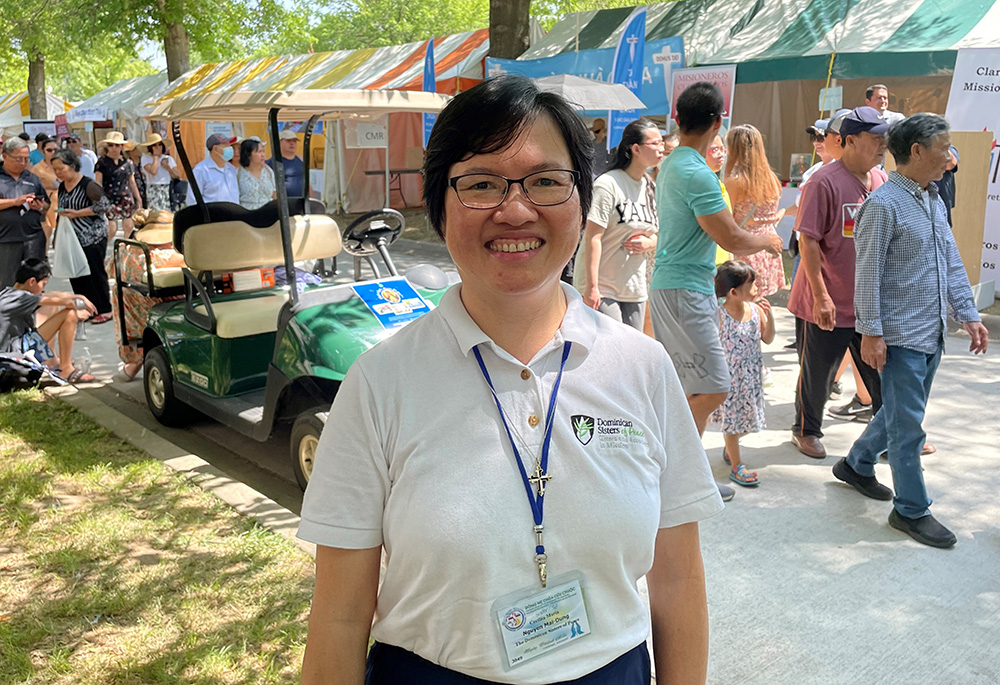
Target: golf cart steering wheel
[363,236]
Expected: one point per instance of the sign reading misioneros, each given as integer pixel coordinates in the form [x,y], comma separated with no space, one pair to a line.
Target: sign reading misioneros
[722,75]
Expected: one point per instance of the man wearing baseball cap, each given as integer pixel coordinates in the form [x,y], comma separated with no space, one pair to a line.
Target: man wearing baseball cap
[823,300]
[292,164]
[215,176]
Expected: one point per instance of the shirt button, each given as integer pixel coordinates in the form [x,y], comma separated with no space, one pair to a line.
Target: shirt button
[525,374]
[533,420]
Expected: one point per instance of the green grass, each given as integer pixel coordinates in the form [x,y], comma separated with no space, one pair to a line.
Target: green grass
[114,570]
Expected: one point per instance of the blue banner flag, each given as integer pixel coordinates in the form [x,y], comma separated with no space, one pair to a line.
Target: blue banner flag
[628,71]
[430,86]
[660,58]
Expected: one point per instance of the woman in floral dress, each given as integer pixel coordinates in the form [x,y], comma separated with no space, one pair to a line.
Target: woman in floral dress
[755,189]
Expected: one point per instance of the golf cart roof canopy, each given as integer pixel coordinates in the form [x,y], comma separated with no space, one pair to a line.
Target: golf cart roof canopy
[298,105]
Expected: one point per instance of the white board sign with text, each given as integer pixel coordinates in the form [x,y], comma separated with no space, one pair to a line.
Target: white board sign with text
[974,105]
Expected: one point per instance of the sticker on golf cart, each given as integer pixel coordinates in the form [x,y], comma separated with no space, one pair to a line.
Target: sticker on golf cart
[393,302]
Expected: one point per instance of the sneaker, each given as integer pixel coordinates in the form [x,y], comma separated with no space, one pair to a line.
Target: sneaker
[926,530]
[866,485]
[727,492]
[851,410]
[836,389]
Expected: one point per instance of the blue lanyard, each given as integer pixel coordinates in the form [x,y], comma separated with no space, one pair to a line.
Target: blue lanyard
[536,501]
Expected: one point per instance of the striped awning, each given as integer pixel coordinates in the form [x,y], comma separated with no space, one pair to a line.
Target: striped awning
[397,67]
[793,39]
[126,96]
[56,104]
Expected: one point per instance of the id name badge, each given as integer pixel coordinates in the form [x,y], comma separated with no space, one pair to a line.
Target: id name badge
[533,622]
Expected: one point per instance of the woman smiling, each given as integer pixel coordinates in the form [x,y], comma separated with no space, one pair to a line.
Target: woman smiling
[521,459]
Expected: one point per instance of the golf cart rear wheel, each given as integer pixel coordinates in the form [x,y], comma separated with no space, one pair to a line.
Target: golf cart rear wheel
[158,382]
[305,437]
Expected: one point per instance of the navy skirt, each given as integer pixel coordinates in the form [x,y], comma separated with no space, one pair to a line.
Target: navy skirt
[388,665]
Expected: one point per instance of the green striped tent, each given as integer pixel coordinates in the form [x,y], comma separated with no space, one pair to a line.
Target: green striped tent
[774,40]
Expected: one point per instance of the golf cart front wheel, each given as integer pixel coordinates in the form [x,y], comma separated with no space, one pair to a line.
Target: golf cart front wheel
[305,437]
[158,382]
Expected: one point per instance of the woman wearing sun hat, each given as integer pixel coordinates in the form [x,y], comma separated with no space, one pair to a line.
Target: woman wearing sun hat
[116,175]
[158,169]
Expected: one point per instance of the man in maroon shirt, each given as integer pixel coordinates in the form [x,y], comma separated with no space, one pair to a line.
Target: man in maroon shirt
[823,301]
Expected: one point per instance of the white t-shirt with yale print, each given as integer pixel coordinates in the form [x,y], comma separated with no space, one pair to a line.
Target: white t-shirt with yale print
[415,458]
[620,206]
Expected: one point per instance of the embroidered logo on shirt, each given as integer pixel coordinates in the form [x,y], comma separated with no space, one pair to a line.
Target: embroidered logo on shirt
[611,433]
[850,212]
[583,427]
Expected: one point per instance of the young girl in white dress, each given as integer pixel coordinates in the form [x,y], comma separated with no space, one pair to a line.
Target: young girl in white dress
[744,321]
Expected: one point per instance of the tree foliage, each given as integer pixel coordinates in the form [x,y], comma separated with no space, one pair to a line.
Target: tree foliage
[548,12]
[347,25]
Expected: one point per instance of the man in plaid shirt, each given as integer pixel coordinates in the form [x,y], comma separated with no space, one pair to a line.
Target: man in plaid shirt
[908,274]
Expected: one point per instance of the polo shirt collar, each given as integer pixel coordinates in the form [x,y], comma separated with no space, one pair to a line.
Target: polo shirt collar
[22,174]
[912,187]
[578,325]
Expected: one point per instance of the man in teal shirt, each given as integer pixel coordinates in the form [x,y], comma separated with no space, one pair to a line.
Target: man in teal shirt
[693,219]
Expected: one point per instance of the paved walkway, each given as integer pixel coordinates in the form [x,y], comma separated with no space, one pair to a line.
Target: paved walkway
[806,581]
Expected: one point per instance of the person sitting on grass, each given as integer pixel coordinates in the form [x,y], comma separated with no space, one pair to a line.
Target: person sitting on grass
[18,332]
[744,320]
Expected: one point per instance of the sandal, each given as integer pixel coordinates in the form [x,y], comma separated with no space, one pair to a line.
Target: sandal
[741,476]
[101,318]
[79,376]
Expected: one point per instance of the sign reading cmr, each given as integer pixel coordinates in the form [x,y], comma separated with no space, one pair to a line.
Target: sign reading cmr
[372,135]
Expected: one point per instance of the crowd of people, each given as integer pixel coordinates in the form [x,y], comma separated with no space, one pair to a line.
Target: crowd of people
[98,196]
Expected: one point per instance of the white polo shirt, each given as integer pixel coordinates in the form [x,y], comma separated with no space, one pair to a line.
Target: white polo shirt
[415,458]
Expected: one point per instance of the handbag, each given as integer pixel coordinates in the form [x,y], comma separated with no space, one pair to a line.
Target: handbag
[69,260]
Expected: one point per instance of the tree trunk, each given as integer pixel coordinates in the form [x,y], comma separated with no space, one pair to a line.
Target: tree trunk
[175,46]
[509,28]
[36,87]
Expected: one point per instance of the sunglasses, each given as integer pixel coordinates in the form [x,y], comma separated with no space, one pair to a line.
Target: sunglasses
[817,137]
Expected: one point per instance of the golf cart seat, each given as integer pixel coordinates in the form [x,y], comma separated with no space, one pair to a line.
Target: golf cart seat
[166,277]
[232,243]
[219,212]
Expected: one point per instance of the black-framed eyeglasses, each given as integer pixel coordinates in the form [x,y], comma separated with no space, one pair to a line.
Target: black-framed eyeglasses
[542,188]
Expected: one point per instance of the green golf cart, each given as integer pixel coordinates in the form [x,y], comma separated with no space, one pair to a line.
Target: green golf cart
[249,350]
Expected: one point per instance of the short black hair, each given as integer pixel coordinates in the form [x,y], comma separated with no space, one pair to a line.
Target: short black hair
[732,274]
[871,90]
[920,128]
[68,157]
[635,132]
[41,138]
[23,135]
[698,107]
[489,117]
[247,148]
[38,269]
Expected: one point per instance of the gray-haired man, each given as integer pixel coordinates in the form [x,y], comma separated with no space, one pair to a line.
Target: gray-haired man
[908,274]
[23,203]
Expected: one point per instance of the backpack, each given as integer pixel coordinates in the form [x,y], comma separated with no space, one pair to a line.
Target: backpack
[18,372]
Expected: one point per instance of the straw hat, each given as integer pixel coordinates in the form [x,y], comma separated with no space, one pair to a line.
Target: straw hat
[152,140]
[115,137]
[129,146]
[155,234]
